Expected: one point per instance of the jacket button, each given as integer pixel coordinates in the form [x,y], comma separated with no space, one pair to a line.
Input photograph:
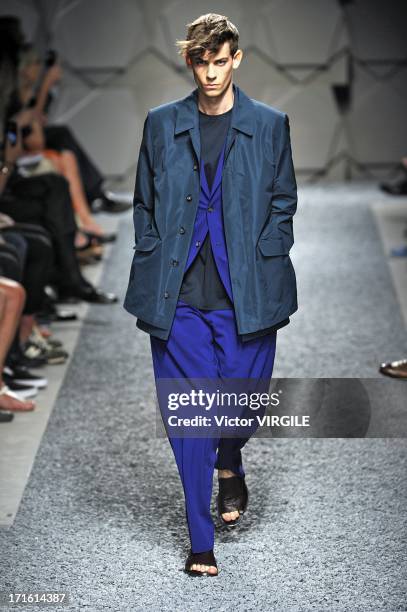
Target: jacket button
[189,197]
[182,230]
[166,295]
[195,166]
[197,244]
[174,262]
[210,209]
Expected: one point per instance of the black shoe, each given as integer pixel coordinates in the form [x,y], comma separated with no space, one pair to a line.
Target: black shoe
[201,558]
[96,296]
[23,376]
[50,312]
[65,315]
[6,416]
[395,369]
[61,314]
[100,239]
[34,348]
[88,293]
[395,188]
[25,361]
[233,495]
[108,204]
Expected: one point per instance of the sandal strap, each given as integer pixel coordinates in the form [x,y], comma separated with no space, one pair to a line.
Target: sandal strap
[232,494]
[231,487]
[5,390]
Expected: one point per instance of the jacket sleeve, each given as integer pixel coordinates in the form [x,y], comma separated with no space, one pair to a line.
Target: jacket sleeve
[284,192]
[143,200]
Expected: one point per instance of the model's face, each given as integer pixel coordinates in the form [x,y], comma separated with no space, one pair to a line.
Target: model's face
[213,72]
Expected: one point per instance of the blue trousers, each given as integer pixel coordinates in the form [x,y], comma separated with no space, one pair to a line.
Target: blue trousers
[205,344]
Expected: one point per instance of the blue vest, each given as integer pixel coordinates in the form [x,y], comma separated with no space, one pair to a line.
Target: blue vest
[209,218]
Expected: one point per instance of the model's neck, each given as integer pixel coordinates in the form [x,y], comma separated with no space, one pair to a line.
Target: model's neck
[216,106]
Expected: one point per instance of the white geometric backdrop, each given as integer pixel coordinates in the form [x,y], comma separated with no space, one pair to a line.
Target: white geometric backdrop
[119,59]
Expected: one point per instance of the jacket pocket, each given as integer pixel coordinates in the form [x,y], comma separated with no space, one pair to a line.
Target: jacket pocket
[272,247]
[147,243]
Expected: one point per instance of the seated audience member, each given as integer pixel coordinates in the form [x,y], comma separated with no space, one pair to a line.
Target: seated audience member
[64,160]
[17,382]
[33,254]
[45,200]
[37,80]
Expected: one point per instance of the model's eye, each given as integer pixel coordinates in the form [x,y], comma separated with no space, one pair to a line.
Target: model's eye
[221,62]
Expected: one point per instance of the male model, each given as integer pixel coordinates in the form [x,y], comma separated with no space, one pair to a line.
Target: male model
[211,279]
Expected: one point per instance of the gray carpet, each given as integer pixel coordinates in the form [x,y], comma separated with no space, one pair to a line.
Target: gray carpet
[102,516]
[349,320]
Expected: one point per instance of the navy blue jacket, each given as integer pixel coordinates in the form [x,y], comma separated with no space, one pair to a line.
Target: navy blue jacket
[259,194]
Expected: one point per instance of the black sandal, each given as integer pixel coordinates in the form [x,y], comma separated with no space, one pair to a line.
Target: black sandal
[90,242]
[101,238]
[201,558]
[233,495]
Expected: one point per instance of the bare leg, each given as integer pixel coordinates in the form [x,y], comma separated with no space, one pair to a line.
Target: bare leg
[12,302]
[70,170]
[26,326]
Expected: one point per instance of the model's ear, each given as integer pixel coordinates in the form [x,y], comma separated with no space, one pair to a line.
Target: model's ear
[188,61]
[237,58]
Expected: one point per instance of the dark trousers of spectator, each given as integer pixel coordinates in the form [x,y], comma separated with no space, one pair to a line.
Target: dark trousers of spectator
[60,137]
[33,248]
[45,200]
[12,259]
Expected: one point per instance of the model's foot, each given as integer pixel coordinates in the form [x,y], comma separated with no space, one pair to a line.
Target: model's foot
[209,569]
[232,498]
[201,564]
[228,516]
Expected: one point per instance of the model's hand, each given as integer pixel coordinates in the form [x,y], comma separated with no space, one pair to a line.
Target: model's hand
[54,74]
[40,117]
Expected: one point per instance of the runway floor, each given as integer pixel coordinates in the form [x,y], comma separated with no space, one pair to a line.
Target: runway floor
[102,514]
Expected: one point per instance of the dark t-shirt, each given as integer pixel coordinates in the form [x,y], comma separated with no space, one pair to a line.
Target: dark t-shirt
[202,286]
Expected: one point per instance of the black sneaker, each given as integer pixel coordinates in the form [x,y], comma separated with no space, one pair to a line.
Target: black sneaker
[22,376]
[88,294]
[28,362]
[111,203]
[397,189]
[52,356]
[55,354]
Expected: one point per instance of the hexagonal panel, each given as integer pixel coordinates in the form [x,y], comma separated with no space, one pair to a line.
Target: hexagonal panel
[303,31]
[109,127]
[99,35]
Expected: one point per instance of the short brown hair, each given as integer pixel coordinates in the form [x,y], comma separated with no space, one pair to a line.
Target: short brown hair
[208,33]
